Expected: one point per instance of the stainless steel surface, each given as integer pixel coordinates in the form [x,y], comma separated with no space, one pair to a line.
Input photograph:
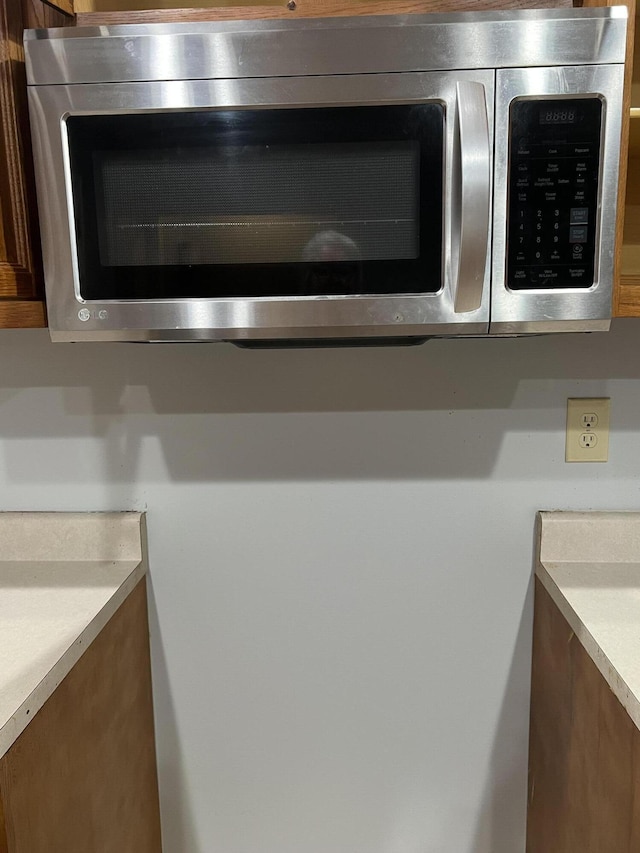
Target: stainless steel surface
[362,45]
[543,310]
[348,61]
[228,319]
[475,194]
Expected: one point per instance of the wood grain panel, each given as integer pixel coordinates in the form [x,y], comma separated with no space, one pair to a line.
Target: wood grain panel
[584,750]
[20,273]
[65,6]
[618,296]
[81,778]
[20,263]
[628,298]
[111,12]
[55,14]
[635,816]
[4,848]
[17,270]
[22,314]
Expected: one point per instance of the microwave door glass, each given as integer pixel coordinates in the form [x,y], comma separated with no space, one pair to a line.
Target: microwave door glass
[259,203]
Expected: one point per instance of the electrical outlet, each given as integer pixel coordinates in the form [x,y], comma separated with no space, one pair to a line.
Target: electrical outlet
[587,429]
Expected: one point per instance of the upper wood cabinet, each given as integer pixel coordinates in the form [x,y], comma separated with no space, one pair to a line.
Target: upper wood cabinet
[21,294]
[628,304]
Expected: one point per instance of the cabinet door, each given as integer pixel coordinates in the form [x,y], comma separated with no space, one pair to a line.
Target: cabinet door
[82,778]
[626,301]
[584,748]
[21,294]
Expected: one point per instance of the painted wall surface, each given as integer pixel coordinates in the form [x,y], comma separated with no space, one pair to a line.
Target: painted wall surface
[341,556]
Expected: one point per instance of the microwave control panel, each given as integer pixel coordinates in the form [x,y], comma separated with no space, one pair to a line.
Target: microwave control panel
[554,164]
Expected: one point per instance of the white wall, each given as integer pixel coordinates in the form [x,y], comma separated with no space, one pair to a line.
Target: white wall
[341,552]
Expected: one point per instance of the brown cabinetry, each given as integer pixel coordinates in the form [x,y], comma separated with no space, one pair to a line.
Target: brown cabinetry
[629,290]
[81,778]
[584,748]
[21,302]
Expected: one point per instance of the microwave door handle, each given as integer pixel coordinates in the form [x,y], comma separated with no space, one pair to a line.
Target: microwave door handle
[473,198]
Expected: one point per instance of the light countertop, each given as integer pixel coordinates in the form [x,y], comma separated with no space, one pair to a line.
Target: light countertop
[589,563]
[62,577]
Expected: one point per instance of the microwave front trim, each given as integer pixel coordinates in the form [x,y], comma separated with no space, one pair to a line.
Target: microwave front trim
[229,50]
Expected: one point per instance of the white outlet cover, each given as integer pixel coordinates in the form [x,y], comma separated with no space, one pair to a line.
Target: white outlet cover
[587,416]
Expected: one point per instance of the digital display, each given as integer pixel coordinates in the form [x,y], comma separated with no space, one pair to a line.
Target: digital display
[558,115]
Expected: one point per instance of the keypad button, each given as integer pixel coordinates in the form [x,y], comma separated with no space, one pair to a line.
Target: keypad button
[556,149]
[578,215]
[547,276]
[578,273]
[578,234]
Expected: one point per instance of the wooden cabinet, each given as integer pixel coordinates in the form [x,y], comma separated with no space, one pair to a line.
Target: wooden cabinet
[584,740]
[626,297]
[584,751]
[81,778]
[21,293]
[93,12]
[629,286]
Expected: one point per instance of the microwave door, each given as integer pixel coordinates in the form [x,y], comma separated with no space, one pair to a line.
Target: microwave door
[556,179]
[344,207]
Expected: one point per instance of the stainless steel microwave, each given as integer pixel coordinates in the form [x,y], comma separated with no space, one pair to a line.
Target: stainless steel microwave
[370,179]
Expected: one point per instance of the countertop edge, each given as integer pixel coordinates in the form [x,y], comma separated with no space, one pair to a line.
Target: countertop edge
[567,538]
[23,715]
[616,682]
[115,539]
